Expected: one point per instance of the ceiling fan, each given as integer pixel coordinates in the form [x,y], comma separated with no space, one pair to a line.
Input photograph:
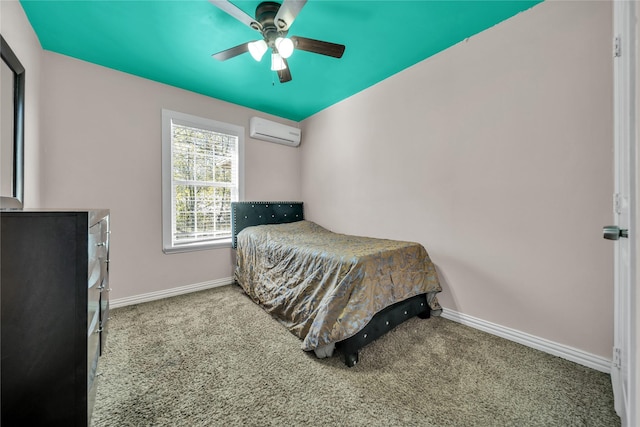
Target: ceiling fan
[273,22]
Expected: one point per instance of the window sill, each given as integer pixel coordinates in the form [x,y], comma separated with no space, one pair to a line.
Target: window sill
[198,246]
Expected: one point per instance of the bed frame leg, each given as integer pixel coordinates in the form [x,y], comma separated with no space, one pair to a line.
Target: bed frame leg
[351,359]
[425,314]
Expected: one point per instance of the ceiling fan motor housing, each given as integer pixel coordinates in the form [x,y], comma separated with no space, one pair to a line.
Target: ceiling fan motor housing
[265,15]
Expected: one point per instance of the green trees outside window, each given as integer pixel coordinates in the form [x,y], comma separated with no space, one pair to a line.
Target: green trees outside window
[204,177]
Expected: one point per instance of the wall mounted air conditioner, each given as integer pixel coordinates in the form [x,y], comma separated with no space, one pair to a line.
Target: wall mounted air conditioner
[274,132]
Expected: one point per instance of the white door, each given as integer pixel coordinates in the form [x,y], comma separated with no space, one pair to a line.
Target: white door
[623,360]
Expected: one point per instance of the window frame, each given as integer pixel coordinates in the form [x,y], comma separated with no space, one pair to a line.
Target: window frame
[168,118]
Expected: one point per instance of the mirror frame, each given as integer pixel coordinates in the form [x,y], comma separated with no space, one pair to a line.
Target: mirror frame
[16,199]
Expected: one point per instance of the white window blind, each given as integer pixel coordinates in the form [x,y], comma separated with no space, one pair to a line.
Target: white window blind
[201,177]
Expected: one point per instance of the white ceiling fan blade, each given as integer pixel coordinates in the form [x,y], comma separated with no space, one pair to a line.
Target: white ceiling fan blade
[287,13]
[237,13]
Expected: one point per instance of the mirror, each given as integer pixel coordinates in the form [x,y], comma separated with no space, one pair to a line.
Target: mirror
[11,128]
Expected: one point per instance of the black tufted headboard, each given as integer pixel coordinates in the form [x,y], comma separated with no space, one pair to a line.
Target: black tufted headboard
[246,214]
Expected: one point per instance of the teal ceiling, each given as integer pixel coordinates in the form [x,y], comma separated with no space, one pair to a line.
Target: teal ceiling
[172,41]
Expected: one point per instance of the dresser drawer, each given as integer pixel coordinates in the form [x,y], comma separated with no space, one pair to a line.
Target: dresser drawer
[93,294]
[93,349]
[98,250]
[93,307]
[104,318]
[93,354]
[91,397]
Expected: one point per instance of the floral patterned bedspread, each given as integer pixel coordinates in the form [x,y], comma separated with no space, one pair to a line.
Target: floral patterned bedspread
[325,287]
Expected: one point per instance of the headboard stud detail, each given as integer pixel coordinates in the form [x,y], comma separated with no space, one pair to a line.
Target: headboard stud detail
[247,214]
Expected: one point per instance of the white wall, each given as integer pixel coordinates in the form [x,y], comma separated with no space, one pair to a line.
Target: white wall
[496,154]
[103,149]
[16,30]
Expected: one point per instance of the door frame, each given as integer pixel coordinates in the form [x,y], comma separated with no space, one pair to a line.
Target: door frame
[624,374]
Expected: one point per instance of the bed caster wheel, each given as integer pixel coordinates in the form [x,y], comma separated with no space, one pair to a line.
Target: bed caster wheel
[351,359]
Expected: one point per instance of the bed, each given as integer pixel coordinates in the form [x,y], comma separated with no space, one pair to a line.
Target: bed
[333,291]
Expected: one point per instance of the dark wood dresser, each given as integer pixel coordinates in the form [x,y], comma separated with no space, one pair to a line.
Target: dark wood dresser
[54,308]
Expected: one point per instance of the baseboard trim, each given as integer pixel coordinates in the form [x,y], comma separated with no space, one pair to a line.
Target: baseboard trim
[569,353]
[152,296]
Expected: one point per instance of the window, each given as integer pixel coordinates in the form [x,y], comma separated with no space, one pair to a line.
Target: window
[201,176]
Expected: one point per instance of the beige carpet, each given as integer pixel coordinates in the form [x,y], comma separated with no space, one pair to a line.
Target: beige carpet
[214,358]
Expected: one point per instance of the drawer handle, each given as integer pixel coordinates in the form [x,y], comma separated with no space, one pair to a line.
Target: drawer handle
[101,244]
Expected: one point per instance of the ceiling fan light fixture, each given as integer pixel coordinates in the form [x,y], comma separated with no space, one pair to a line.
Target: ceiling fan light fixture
[277,63]
[257,49]
[273,20]
[284,46]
